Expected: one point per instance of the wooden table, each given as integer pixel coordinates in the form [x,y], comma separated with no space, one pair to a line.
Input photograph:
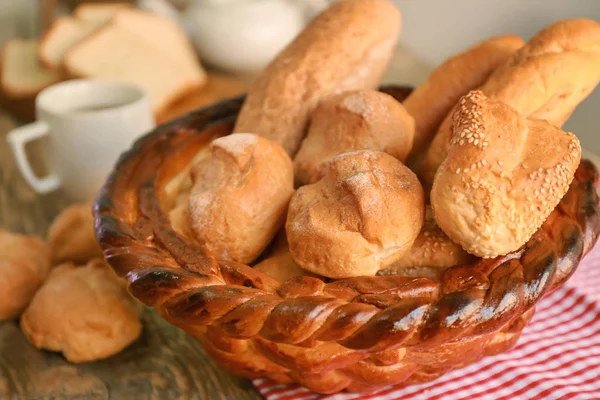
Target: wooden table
[165,363]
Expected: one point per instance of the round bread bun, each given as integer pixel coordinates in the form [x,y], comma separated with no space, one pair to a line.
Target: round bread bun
[361,217]
[503,176]
[84,312]
[356,120]
[347,47]
[24,265]
[238,201]
[431,253]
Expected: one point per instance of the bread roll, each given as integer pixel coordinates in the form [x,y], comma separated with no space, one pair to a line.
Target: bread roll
[84,312]
[431,101]
[357,120]
[346,47]
[280,264]
[238,202]
[496,187]
[71,236]
[431,253]
[546,79]
[362,216]
[24,265]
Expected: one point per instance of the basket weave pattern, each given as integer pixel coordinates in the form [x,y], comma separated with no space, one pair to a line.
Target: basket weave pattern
[356,334]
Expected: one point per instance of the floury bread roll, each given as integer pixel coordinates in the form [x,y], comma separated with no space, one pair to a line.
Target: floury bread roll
[495,187]
[357,120]
[431,101]
[238,202]
[361,217]
[279,264]
[346,47]
[546,79]
[431,253]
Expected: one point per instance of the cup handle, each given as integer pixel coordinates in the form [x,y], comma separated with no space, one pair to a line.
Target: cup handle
[17,139]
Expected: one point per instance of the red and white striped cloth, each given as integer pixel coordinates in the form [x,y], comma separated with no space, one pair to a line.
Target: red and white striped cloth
[557,356]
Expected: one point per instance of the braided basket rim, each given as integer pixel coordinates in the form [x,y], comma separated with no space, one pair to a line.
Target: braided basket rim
[372,314]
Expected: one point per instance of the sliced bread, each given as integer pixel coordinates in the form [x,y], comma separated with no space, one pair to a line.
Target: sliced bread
[166,35]
[98,14]
[63,34]
[117,53]
[22,73]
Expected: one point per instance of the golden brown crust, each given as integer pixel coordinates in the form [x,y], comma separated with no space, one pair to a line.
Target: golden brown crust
[431,253]
[496,187]
[362,216]
[546,79]
[84,312]
[71,235]
[357,120]
[431,101]
[24,265]
[279,264]
[347,47]
[238,202]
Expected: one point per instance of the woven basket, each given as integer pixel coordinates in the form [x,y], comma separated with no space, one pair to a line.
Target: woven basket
[356,334]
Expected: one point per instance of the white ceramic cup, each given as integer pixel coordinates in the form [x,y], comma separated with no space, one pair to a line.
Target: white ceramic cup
[85,125]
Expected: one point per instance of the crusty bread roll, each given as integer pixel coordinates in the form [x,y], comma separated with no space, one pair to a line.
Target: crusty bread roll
[238,202]
[346,47]
[547,79]
[279,264]
[431,253]
[71,236]
[356,120]
[362,216]
[503,175]
[84,312]
[24,265]
[431,101]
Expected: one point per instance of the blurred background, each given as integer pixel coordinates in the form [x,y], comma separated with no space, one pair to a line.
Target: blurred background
[237,38]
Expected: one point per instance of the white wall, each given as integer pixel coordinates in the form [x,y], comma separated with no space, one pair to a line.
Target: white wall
[435,29]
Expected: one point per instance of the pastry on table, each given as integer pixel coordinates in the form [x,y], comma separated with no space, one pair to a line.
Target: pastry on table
[71,236]
[432,100]
[24,265]
[361,217]
[495,187]
[431,253]
[279,264]
[356,120]
[239,198]
[547,78]
[347,47]
[83,312]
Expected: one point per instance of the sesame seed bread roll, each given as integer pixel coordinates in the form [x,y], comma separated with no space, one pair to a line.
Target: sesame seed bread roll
[547,78]
[495,187]
[432,253]
[346,47]
[431,101]
[239,200]
[361,217]
[357,120]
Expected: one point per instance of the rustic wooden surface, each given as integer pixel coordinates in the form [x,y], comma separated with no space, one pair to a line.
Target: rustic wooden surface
[165,363]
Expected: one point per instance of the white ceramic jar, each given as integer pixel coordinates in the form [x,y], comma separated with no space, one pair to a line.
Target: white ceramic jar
[244,35]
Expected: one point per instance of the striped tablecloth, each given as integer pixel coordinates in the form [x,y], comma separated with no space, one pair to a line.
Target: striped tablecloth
[557,356]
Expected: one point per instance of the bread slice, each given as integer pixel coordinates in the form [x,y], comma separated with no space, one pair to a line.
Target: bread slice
[63,34]
[117,53]
[22,73]
[166,35]
[98,14]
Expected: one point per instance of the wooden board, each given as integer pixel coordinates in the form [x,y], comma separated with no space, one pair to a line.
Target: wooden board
[165,363]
